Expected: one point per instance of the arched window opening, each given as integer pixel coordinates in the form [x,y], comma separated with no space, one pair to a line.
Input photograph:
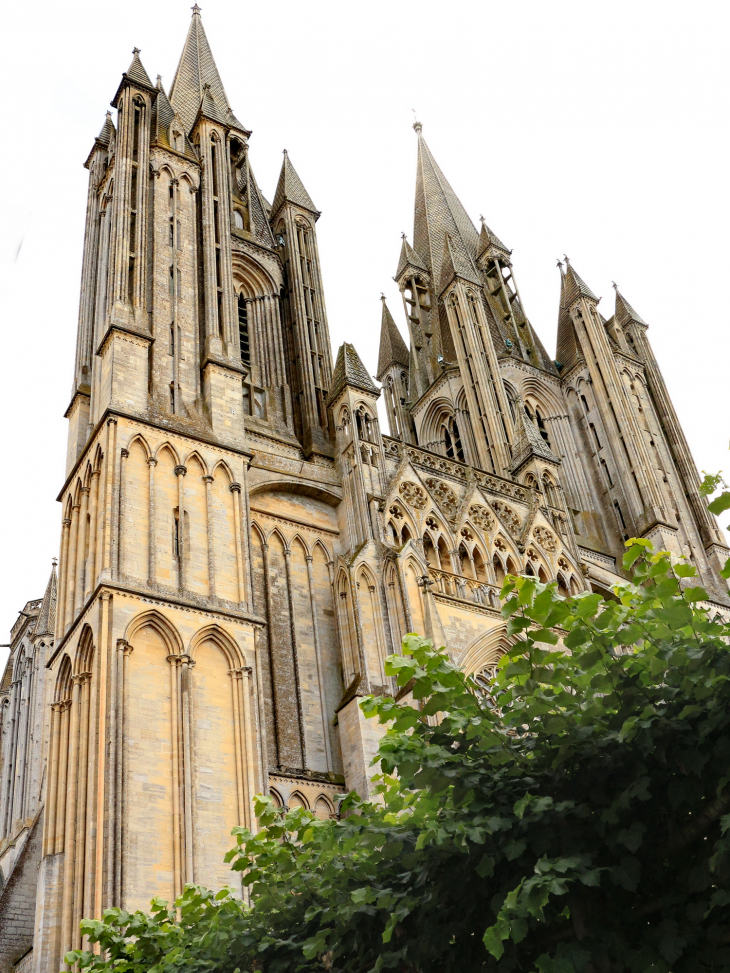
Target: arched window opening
[443,555]
[562,587]
[243,341]
[606,472]
[479,567]
[511,569]
[585,404]
[405,534]
[575,587]
[542,574]
[322,809]
[465,562]
[499,572]
[542,428]
[237,219]
[529,570]
[452,440]
[429,551]
[595,435]
[551,492]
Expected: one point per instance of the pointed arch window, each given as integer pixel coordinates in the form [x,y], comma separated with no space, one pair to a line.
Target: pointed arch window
[452,440]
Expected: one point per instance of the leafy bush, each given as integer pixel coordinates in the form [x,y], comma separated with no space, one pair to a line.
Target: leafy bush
[574,818]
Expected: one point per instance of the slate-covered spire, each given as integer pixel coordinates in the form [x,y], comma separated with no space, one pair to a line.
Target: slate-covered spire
[624,313]
[136,71]
[489,241]
[46,624]
[455,263]
[392,346]
[438,212]
[291,189]
[408,258]
[349,370]
[197,68]
[575,286]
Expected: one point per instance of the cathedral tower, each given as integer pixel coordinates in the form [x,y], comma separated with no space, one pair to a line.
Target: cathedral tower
[242,546]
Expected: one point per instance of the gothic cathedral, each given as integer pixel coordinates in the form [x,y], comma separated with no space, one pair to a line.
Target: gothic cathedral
[241,544]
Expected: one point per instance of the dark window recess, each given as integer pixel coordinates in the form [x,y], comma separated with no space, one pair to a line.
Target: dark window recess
[243,331]
[620,514]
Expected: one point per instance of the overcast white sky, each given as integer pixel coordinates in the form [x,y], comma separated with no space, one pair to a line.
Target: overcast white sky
[599,130]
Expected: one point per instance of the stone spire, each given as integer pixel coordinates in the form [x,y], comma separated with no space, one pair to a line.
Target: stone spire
[291,189]
[489,241]
[408,258]
[439,212]
[572,286]
[529,444]
[575,286]
[392,347]
[46,624]
[624,313]
[195,70]
[136,72]
[349,370]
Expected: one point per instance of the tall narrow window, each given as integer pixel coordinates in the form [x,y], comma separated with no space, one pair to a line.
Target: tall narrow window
[243,330]
[604,467]
[172,339]
[619,513]
[595,436]
[176,533]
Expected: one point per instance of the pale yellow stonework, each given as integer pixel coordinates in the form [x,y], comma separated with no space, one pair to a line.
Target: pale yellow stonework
[241,546]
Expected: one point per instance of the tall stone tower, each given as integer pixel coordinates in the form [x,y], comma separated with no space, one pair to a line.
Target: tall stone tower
[242,546]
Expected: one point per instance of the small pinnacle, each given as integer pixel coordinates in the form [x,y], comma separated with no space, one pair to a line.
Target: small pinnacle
[196,10]
[402,236]
[560,263]
[109,115]
[382,296]
[284,152]
[614,285]
[159,80]
[481,219]
[566,258]
[135,50]
[54,561]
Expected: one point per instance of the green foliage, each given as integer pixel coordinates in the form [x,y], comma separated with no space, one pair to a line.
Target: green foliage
[576,819]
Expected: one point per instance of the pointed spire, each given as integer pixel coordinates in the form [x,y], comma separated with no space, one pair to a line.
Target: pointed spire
[195,69]
[488,240]
[408,258]
[291,189]
[106,130]
[46,624]
[567,346]
[575,286]
[528,441]
[624,313]
[136,72]
[392,347]
[438,211]
[455,263]
[349,370]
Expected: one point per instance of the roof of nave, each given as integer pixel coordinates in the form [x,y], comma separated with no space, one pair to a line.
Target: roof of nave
[624,312]
[438,212]
[195,70]
[46,624]
[349,370]
[392,346]
[291,189]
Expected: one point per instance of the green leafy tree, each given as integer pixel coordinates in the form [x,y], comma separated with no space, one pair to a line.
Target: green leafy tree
[573,818]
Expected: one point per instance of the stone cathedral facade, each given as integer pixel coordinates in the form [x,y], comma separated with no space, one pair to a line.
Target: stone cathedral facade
[242,545]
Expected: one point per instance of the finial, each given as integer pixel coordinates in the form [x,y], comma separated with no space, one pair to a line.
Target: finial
[382,297]
[566,258]
[196,10]
[481,219]
[614,285]
[109,116]
[159,80]
[284,152]
[54,561]
[135,50]
[560,263]
[416,124]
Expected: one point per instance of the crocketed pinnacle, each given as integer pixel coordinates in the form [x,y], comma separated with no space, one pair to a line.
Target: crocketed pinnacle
[46,624]
[196,69]
[349,370]
[393,349]
[291,189]
[624,313]
[136,72]
[409,258]
[438,212]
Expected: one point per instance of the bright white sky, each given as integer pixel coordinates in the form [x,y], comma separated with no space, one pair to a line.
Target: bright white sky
[599,130]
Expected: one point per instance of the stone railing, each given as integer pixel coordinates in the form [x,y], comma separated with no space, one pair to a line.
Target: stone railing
[467,589]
